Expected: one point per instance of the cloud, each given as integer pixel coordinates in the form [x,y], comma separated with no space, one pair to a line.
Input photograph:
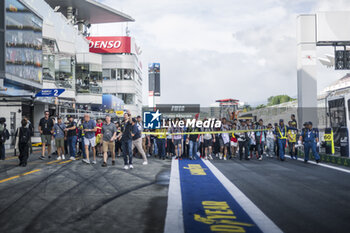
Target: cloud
[223,49]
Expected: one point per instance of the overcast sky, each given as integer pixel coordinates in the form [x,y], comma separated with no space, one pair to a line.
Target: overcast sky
[220,49]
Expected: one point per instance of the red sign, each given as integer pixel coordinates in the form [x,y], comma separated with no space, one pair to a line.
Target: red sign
[109,44]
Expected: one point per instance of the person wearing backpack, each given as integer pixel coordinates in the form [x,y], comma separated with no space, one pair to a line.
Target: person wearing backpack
[22,143]
[4,135]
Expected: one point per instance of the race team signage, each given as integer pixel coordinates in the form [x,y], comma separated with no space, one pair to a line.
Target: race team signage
[109,44]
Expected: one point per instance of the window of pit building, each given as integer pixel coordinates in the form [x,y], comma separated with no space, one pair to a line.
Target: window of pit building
[23,38]
[64,71]
[49,51]
[88,78]
[125,74]
[48,67]
[109,74]
[128,98]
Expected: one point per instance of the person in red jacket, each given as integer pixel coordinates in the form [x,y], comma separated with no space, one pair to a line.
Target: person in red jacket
[98,137]
[234,142]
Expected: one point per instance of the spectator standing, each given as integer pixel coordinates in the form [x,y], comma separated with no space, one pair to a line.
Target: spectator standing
[59,132]
[22,143]
[126,140]
[89,129]
[71,132]
[270,141]
[108,136]
[137,140]
[98,136]
[46,131]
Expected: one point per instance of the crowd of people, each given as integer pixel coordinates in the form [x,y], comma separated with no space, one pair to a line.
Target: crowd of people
[250,140]
[103,138]
[245,139]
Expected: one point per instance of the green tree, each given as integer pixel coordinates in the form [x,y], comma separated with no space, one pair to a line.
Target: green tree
[278,99]
[260,106]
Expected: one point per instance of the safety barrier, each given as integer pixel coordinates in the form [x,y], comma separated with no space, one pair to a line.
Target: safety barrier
[205,132]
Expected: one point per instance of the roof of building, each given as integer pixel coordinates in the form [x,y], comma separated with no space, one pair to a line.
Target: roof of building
[91,11]
[227,100]
[343,82]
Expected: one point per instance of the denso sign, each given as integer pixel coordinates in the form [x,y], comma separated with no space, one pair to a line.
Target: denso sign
[109,44]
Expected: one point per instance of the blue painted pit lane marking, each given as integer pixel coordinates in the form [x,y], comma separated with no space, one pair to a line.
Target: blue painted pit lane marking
[264,223]
[207,205]
[174,222]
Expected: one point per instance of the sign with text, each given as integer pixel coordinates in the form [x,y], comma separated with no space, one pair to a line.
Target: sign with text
[182,108]
[49,93]
[109,44]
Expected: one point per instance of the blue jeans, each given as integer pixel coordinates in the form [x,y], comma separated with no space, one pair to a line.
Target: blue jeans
[127,151]
[193,148]
[310,145]
[161,147]
[155,150]
[83,148]
[281,147]
[260,147]
[72,140]
[270,144]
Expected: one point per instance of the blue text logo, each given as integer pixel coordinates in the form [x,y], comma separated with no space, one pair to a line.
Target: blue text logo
[152,120]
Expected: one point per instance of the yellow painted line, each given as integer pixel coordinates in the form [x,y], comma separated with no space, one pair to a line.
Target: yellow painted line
[27,173]
[68,161]
[55,161]
[12,157]
[10,178]
[17,176]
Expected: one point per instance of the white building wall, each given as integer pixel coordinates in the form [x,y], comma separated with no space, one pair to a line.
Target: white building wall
[124,61]
[120,86]
[88,99]
[55,26]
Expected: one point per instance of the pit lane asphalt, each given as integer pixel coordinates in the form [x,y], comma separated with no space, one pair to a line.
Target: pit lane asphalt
[297,197]
[74,197]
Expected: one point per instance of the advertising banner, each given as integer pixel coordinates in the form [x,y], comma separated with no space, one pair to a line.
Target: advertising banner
[109,44]
[154,78]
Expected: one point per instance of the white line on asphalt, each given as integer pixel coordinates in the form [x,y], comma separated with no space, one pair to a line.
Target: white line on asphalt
[262,221]
[323,165]
[174,216]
